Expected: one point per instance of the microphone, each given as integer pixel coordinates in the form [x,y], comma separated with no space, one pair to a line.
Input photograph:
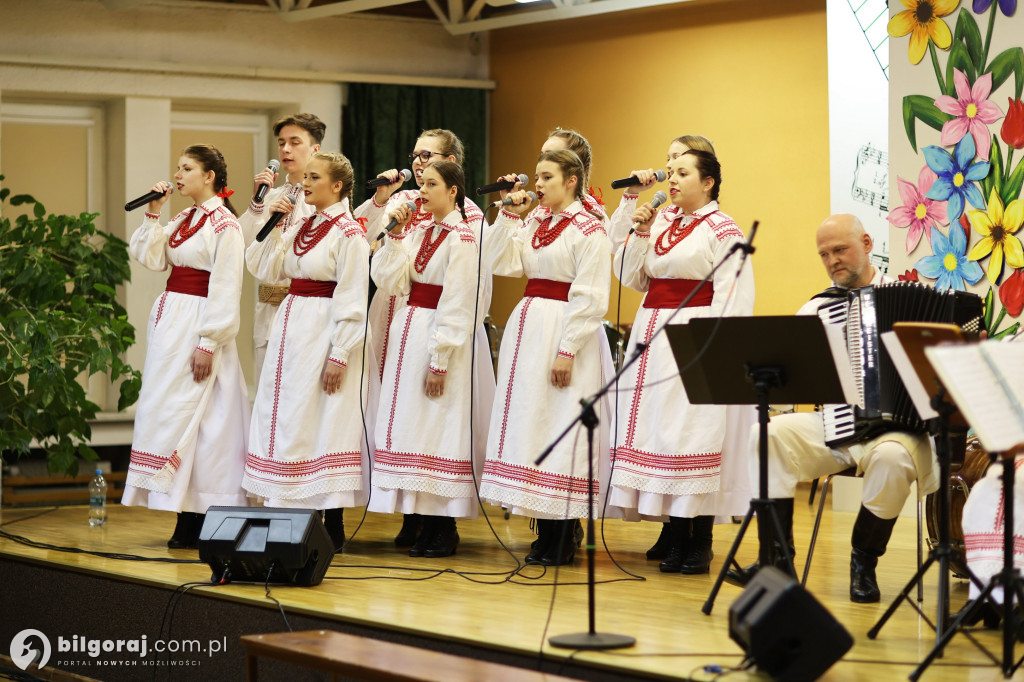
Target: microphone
[272,221]
[403,174]
[500,185]
[507,201]
[394,221]
[657,200]
[146,198]
[261,192]
[659,176]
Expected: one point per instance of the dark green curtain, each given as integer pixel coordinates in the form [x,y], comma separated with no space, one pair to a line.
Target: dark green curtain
[381,124]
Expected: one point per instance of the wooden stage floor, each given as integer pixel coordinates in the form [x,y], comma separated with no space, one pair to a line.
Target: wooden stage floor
[473,598]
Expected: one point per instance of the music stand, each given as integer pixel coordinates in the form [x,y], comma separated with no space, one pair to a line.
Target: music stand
[785,358]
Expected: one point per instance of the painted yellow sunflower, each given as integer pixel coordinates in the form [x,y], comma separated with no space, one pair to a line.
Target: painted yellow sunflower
[922,19]
[998,227]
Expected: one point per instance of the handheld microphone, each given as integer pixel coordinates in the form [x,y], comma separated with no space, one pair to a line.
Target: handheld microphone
[659,176]
[657,200]
[405,174]
[507,201]
[261,192]
[146,198]
[394,221]
[272,221]
[501,184]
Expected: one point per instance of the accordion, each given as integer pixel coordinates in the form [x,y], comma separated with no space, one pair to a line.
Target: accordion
[883,402]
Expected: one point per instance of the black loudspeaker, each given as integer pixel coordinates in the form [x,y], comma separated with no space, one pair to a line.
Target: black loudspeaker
[265,544]
[785,631]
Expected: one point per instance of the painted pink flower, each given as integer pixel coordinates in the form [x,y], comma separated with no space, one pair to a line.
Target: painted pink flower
[918,212]
[972,110]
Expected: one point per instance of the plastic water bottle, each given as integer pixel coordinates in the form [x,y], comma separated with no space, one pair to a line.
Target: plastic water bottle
[97,500]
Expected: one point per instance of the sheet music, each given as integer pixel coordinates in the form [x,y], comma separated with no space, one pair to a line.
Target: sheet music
[915,389]
[997,416]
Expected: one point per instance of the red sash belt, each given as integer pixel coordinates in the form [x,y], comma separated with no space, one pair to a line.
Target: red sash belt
[669,293]
[425,295]
[189,281]
[547,288]
[312,287]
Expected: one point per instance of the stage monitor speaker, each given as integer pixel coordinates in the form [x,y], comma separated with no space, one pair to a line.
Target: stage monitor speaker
[261,544]
[785,631]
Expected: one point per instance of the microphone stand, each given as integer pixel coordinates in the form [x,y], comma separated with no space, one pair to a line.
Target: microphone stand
[588,417]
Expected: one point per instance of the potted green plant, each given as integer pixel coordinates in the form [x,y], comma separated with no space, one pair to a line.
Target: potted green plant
[60,321]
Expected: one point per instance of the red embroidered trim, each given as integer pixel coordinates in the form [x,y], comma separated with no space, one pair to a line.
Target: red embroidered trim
[566,354]
[627,195]
[462,468]
[699,465]
[374,200]
[675,234]
[302,468]
[160,310]
[387,334]
[398,373]
[512,375]
[438,372]
[182,232]
[154,216]
[203,350]
[339,363]
[641,372]
[255,209]
[307,238]
[572,485]
[509,214]
[428,248]
[277,377]
[546,234]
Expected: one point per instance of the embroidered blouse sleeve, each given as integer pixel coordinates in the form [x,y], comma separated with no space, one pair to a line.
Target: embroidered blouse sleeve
[256,215]
[265,259]
[391,268]
[348,305]
[453,322]
[504,244]
[727,301]
[220,320]
[621,221]
[630,260]
[588,294]
[148,244]
[372,213]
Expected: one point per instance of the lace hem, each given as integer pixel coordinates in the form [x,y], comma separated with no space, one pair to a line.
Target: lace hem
[634,481]
[299,491]
[546,507]
[448,489]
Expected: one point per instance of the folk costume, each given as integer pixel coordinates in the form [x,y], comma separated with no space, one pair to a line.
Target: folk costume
[307,448]
[189,446]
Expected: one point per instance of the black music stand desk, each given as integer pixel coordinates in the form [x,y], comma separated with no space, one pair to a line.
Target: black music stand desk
[755,361]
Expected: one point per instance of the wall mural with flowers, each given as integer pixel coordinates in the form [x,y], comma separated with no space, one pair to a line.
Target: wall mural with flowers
[956,132]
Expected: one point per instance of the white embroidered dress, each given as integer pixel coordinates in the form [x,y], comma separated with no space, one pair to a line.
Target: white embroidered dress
[528,411]
[424,456]
[188,450]
[670,456]
[306,448]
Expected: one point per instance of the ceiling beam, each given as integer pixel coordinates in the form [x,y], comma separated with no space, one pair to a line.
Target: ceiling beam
[455,11]
[474,11]
[338,8]
[438,12]
[523,18]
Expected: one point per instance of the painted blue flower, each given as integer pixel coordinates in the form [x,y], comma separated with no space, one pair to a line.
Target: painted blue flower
[956,176]
[1007,6]
[948,265]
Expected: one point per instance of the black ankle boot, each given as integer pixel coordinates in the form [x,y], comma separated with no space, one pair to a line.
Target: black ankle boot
[539,547]
[578,533]
[660,549]
[445,539]
[679,544]
[766,537]
[562,546]
[334,522]
[697,559]
[425,537]
[411,526]
[180,537]
[198,521]
[870,537]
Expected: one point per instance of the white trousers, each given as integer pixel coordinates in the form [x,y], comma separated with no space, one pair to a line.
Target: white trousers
[797,452]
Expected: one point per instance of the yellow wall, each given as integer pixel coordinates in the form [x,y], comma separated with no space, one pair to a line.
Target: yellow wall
[750,75]
[49,162]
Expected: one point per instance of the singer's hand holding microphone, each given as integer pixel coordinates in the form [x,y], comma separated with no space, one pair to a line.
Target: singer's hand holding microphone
[643,217]
[400,217]
[158,196]
[517,202]
[279,209]
[639,180]
[387,182]
[264,180]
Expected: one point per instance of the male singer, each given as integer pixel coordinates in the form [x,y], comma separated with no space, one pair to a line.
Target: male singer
[298,138]
[796,442]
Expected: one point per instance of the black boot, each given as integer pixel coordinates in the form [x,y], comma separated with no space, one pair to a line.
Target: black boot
[180,536]
[539,547]
[679,544]
[198,520]
[445,539]
[660,549]
[425,537]
[697,559]
[870,536]
[766,537]
[334,522]
[411,526]
[562,547]
[578,533]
